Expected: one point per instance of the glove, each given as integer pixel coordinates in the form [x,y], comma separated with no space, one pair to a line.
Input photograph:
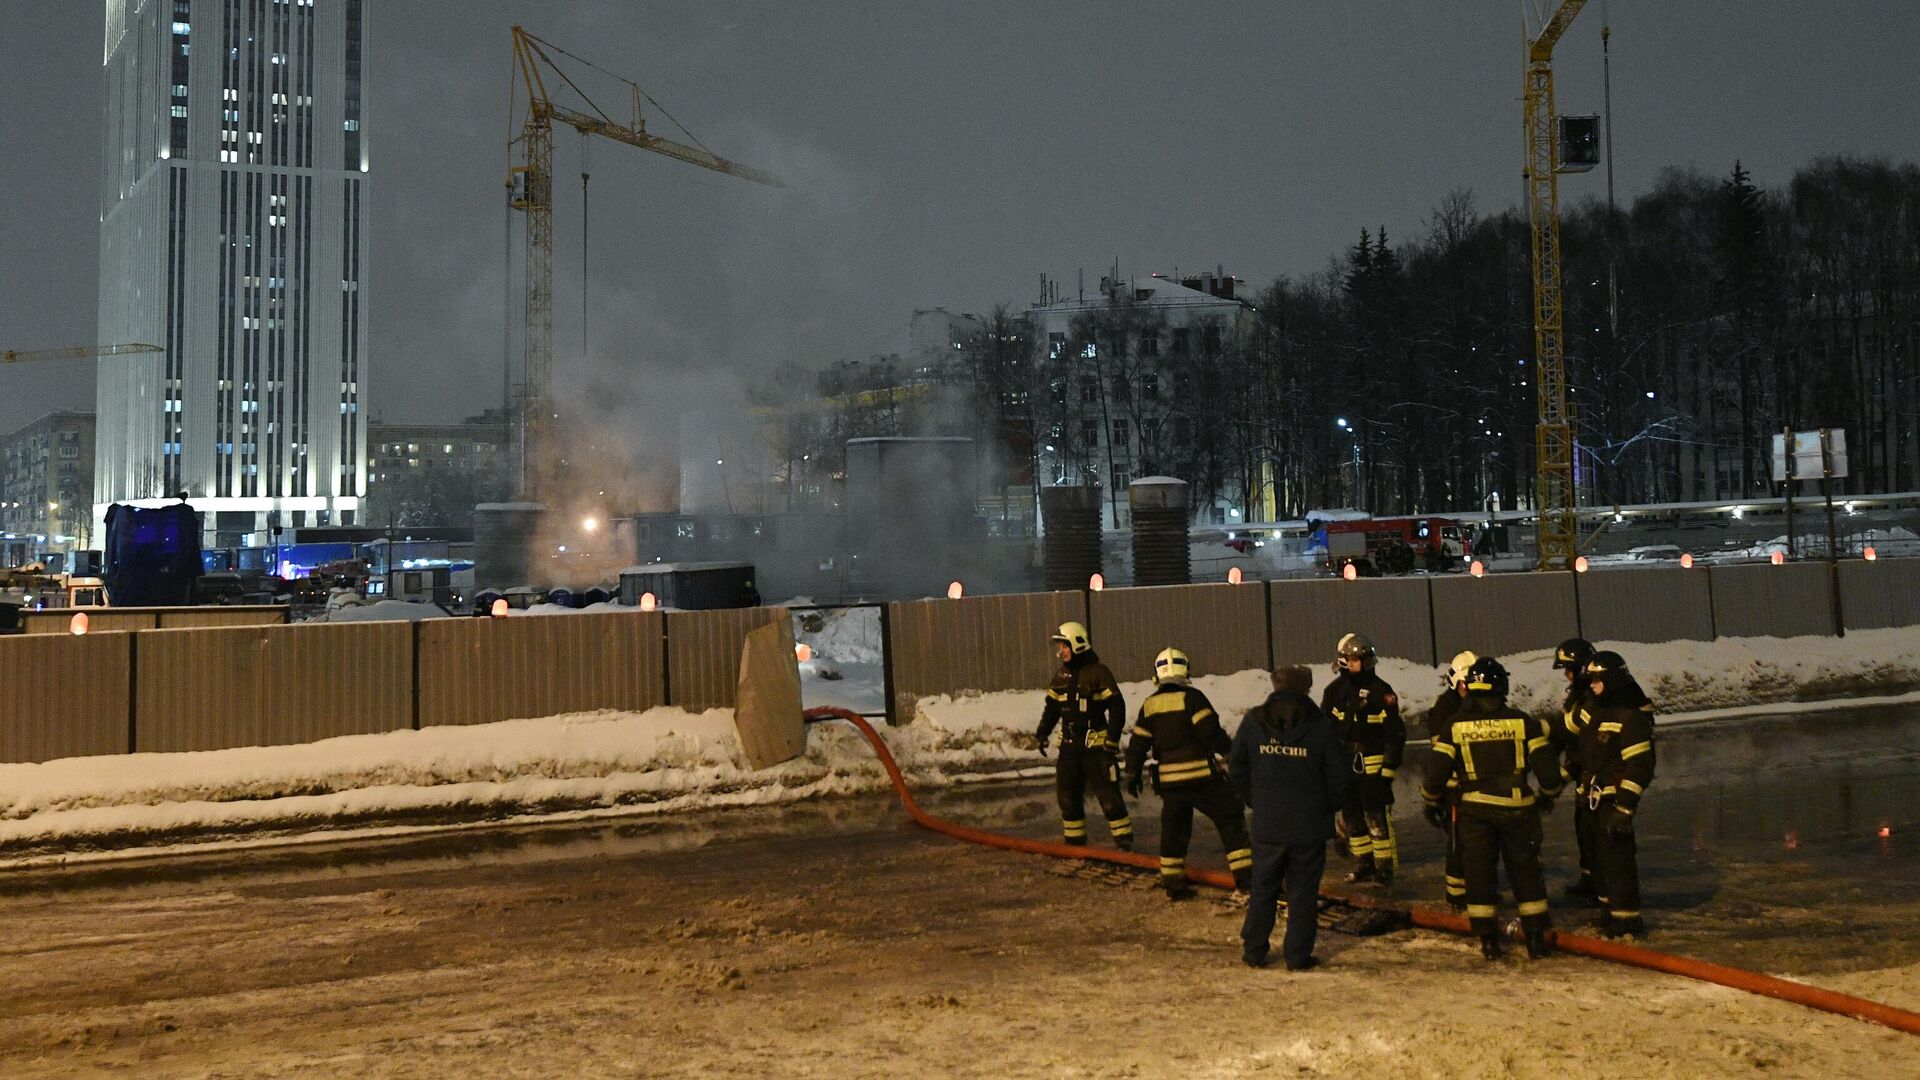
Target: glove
[1135,782]
[1436,815]
[1043,740]
[1340,825]
[1619,825]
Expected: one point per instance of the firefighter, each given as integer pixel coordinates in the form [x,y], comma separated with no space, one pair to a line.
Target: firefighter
[1084,703]
[1439,719]
[1179,729]
[1571,656]
[1616,765]
[1366,715]
[1489,749]
[1291,768]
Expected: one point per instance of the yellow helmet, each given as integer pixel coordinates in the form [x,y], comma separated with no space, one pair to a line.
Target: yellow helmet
[1075,635]
[1170,666]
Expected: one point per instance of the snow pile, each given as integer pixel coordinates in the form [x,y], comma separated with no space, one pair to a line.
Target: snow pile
[562,609]
[658,761]
[846,635]
[1680,676]
[381,611]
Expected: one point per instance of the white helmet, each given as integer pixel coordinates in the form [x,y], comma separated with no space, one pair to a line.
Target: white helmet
[1170,666]
[1458,669]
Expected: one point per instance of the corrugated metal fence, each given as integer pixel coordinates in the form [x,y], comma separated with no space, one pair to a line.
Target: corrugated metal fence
[107,619]
[263,685]
[976,643]
[211,687]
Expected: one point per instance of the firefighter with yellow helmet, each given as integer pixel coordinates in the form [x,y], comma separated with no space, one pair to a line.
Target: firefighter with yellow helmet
[1179,729]
[1084,703]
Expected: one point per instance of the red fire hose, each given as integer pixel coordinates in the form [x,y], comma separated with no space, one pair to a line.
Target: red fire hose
[1753,982]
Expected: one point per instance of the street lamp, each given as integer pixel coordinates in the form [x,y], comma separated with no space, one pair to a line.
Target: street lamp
[1359,497]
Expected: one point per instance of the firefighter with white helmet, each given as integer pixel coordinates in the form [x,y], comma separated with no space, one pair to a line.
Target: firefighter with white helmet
[1179,729]
[1084,703]
[1440,721]
[1366,714]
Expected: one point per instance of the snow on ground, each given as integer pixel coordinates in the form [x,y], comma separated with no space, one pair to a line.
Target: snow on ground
[1680,676]
[667,759]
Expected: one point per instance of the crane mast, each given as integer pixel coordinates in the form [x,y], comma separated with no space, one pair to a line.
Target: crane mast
[530,186]
[1554,494]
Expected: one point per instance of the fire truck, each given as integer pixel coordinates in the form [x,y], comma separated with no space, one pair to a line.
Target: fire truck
[1396,545]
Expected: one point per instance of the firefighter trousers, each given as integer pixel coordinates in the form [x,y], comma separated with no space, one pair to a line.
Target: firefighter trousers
[1294,869]
[1616,864]
[1583,835]
[1213,798]
[1456,872]
[1077,770]
[1368,814]
[1489,836]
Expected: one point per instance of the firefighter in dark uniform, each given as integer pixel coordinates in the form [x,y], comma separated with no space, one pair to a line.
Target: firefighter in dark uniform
[1571,656]
[1616,765]
[1179,729]
[1489,749]
[1084,703]
[1439,719]
[1366,715]
[1290,766]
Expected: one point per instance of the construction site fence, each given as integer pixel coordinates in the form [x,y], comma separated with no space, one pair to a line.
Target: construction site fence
[166,687]
[210,688]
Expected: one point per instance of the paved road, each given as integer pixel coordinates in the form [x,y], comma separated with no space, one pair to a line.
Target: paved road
[833,939]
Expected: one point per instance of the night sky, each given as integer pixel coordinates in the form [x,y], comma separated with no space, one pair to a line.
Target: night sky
[937,154]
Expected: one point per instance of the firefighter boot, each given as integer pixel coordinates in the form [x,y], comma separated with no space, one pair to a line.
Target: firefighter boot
[1363,871]
[1490,946]
[1613,927]
[1583,889]
[1538,947]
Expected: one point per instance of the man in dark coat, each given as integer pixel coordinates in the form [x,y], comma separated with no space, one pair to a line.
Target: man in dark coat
[1293,770]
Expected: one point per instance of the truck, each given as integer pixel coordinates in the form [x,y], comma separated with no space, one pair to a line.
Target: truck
[1394,545]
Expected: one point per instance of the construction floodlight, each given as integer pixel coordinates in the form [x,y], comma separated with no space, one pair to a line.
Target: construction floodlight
[1579,143]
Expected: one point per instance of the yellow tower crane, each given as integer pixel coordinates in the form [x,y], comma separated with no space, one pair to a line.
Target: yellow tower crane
[1554,494]
[530,186]
[78,352]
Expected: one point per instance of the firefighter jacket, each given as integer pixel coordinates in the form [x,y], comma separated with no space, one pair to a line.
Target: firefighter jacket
[1440,719]
[1566,733]
[1366,714]
[1084,702]
[1489,749]
[1178,726]
[1616,749]
[1289,765]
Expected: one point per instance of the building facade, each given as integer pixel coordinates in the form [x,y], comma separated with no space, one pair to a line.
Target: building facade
[1122,372]
[232,234]
[420,472]
[46,481]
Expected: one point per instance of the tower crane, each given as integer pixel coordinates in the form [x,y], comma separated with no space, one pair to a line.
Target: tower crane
[78,352]
[530,186]
[1554,493]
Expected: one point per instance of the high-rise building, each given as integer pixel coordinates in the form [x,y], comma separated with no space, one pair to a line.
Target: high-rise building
[232,225]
